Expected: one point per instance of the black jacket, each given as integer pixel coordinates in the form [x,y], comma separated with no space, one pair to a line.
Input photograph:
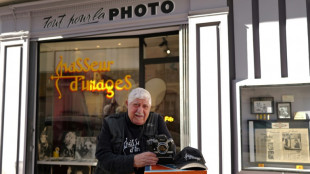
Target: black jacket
[120,140]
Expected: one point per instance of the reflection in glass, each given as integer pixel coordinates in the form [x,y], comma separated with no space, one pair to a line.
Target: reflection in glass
[81,82]
[161,46]
[162,80]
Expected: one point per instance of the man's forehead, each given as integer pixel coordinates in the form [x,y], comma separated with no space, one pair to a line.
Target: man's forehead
[137,101]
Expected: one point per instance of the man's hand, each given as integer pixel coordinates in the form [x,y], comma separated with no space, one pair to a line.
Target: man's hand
[145,158]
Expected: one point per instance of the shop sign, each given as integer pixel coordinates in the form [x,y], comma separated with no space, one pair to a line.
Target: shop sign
[111,14]
[80,82]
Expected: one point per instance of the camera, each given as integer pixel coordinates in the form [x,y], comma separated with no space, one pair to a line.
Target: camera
[163,147]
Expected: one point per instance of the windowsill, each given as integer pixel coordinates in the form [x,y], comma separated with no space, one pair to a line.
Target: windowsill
[73,162]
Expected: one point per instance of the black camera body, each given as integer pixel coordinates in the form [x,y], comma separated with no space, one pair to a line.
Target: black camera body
[163,147]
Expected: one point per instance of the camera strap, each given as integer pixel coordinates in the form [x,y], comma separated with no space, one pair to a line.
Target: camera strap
[149,129]
[151,125]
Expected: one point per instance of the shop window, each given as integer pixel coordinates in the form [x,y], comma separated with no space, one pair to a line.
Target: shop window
[81,82]
[161,64]
[275,128]
[163,82]
[161,46]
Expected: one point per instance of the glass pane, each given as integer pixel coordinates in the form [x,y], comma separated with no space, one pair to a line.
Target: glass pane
[275,127]
[162,80]
[161,46]
[80,83]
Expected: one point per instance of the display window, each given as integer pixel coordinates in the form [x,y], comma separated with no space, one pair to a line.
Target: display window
[275,127]
[80,82]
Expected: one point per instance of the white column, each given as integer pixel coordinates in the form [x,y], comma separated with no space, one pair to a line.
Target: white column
[208,51]
[13,106]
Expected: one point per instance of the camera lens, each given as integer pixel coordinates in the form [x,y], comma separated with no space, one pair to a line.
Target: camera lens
[162,149]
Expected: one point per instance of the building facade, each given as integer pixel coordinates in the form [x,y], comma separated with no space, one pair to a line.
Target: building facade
[230,78]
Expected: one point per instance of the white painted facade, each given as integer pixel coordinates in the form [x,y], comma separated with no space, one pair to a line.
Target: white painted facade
[210,76]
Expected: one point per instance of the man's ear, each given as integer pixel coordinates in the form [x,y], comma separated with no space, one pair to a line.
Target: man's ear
[127,103]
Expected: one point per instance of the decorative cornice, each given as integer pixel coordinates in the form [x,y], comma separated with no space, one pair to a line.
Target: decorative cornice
[48,20]
[14,36]
[84,5]
[59,5]
[208,12]
[40,8]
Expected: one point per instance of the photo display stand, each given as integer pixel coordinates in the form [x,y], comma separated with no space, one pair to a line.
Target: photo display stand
[279,142]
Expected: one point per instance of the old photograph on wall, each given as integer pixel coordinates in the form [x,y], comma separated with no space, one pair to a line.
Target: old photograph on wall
[85,148]
[67,148]
[262,105]
[282,145]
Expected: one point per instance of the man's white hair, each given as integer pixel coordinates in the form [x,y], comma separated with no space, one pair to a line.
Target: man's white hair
[139,93]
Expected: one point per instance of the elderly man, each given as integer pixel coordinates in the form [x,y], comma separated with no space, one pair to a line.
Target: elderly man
[121,144]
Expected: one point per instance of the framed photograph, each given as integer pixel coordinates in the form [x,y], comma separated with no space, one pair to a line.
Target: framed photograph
[284,110]
[262,105]
[85,148]
[67,148]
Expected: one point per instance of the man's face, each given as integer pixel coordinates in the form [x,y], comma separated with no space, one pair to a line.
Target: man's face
[138,111]
[43,138]
[70,138]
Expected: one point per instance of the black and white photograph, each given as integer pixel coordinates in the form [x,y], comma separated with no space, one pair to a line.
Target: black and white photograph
[262,105]
[44,146]
[271,155]
[68,144]
[284,110]
[85,148]
[292,141]
[270,146]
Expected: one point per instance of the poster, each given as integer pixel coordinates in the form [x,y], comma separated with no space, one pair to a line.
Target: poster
[282,145]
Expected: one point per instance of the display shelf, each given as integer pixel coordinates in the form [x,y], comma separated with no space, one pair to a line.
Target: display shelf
[273,135]
[71,163]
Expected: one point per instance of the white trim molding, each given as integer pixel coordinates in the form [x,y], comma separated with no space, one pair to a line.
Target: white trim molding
[209,84]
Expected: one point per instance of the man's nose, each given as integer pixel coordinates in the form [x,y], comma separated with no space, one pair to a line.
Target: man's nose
[140,108]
